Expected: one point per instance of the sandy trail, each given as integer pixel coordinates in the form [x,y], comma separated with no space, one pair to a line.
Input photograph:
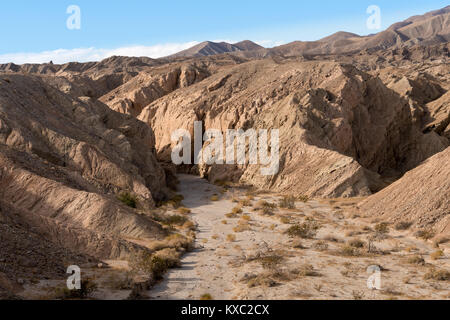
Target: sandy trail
[218,266]
[203,271]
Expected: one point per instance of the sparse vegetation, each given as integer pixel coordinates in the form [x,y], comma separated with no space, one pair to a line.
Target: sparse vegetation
[128,199]
[214,198]
[287,202]
[402,225]
[88,287]
[425,234]
[306,230]
[303,198]
[416,260]
[206,296]
[437,274]
[320,246]
[356,243]
[231,238]
[437,255]
[382,228]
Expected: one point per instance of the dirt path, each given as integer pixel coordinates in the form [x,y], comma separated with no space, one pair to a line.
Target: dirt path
[316,269]
[203,271]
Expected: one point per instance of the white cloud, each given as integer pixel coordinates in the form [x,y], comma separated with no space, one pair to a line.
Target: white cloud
[270,43]
[95,54]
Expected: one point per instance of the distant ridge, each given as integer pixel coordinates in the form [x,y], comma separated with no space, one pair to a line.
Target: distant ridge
[209,48]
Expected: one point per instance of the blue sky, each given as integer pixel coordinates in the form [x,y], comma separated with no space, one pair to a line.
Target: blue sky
[29,28]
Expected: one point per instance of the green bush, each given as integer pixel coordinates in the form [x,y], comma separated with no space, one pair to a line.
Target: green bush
[128,199]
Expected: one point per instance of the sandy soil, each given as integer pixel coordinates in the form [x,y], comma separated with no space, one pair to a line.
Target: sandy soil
[219,267]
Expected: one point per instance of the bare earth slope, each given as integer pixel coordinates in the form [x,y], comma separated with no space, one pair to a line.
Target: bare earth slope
[420,197]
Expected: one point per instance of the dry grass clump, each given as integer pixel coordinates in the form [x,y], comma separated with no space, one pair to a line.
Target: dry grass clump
[245,203]
[271,261]
[358,295]
[382,228]
[287,202]
[356,243]
[320,246]
[416,260]
[261,280]
[437,274]
[189,225]
[149,264]
[242,227]
[184,210]
[425,234]
[305,270]
[88,287]
[285,219]
[349,251]
[224,222]
[237,210]
[303,198]
[437,255]
[171,257]
[402,225]
[214,198]
[231,238]
[306,230]
[175,201]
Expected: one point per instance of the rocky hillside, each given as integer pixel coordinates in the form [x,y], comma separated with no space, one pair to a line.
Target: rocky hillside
[63,161]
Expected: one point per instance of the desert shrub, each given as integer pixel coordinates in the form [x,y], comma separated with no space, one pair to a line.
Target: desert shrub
[402,225]
[224,222]
[285,220]
[261,280]
[237,210]
[320,246]
[183,210]
[306,230]
[178,241]
[173,220]
[305,270]
[416,260]
[189,225]
[271,262]
[437,255]
[242,228]
[88,287]
[206,296]
[349,251]
[382,228]
[356,243]
[436,274]
[303,198]
[214,198]
[245,203]
[231,238]
[171,257]
[287,202]
[425,234]
[128,199]
[358,295]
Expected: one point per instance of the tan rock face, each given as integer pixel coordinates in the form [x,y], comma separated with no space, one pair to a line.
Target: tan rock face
[64,160]
[420,197]
[332,118]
